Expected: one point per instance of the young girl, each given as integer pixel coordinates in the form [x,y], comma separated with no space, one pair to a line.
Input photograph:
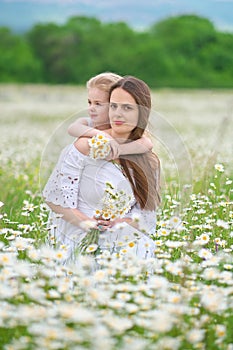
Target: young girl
[98,101]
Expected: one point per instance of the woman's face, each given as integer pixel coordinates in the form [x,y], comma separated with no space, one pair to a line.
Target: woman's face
[98,107]
[123,112]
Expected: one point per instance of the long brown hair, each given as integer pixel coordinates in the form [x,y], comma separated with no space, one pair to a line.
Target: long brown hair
[142,170]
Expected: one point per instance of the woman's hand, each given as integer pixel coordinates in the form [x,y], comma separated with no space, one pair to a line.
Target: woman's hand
[122,220]
[104,225]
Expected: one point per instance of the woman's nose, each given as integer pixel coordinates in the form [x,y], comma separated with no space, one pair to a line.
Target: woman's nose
[119,110]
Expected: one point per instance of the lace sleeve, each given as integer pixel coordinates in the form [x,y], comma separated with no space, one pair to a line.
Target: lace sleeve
[63,184]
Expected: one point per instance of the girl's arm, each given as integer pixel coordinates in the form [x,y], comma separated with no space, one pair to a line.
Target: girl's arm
[81,128]
[142,145]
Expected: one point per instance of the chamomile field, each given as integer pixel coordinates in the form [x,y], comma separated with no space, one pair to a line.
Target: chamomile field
[180,300]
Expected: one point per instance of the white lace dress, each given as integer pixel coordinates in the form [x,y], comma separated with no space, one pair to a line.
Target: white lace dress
[78,181]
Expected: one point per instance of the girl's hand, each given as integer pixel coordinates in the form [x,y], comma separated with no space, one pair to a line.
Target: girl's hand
[114,153]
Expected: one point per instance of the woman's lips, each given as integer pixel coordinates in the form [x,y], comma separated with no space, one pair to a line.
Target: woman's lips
[118,122]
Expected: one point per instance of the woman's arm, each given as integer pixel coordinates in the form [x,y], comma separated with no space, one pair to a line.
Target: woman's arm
[71,215]
[77,218]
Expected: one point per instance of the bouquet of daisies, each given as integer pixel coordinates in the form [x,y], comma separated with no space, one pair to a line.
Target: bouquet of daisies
[114,204]
[99,147]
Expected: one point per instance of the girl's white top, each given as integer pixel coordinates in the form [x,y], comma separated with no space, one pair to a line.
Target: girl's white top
[78,181]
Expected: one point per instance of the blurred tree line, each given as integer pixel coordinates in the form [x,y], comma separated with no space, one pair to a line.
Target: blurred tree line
[182,51]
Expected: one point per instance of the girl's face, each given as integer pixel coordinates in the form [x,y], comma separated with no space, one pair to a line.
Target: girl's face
[123,113]
[98,107]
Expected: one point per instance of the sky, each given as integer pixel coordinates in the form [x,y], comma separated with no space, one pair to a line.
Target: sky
[21,15]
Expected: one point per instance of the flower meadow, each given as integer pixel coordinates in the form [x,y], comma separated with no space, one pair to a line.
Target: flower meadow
[183,298]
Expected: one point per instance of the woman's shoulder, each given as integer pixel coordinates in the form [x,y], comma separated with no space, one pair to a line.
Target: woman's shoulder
[81,144]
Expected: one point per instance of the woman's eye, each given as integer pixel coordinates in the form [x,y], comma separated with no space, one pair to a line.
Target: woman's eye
[128,108]
[113,106]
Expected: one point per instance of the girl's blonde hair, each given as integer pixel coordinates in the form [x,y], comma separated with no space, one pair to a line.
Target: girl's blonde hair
[103,81]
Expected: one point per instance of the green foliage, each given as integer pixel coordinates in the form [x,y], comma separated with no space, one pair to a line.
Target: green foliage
[182,51]
[186,35]
[17,62]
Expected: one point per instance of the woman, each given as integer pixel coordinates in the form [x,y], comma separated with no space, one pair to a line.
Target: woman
[130,104]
